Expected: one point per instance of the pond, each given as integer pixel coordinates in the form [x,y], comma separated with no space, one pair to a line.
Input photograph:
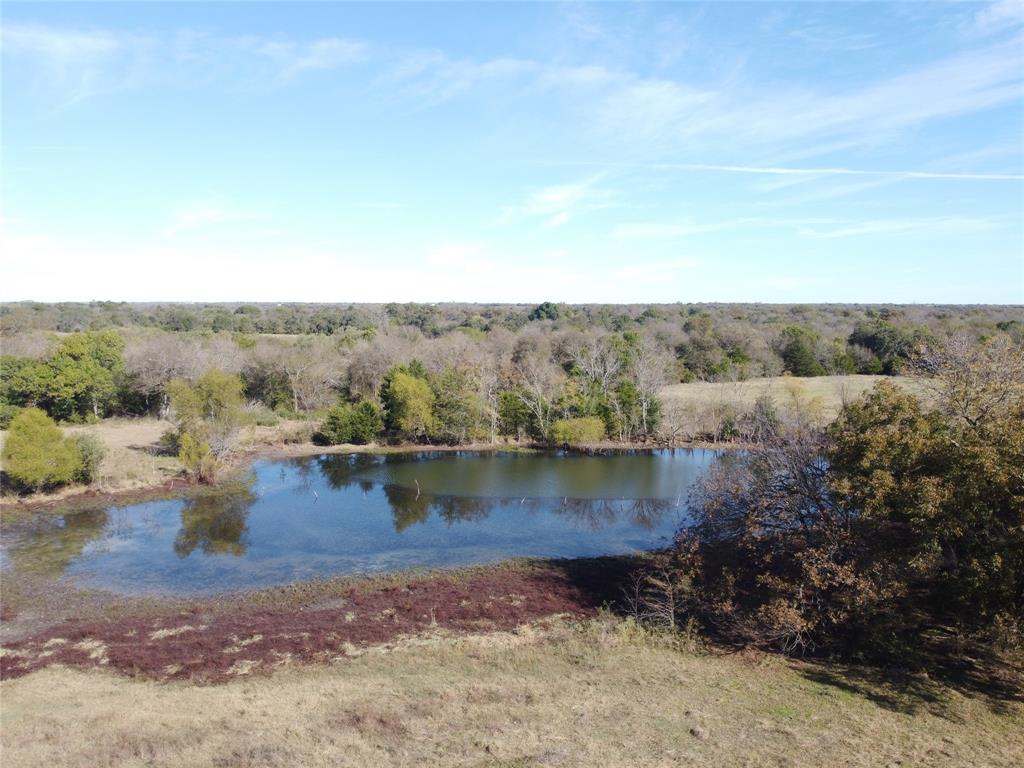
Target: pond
[291,520]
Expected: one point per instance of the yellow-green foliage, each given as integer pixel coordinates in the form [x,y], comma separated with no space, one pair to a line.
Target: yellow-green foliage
[36,454]
[582,431]
[197,458]
[90,452]
[209,410]
[411,401]
[214,396]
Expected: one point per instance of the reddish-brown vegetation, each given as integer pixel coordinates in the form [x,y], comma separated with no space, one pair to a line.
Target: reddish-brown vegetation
[207,644]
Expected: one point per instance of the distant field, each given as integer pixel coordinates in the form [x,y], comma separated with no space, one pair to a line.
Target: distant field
[698,407]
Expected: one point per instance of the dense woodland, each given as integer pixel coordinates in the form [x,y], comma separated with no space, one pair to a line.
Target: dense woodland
[450,373]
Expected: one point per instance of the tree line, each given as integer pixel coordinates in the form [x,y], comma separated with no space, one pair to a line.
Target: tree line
[559,361]
[710,342]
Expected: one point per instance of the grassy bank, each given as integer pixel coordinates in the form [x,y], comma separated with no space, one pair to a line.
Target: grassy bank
[597,692]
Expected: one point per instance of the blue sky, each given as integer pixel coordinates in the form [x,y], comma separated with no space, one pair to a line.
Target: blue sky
[513,152]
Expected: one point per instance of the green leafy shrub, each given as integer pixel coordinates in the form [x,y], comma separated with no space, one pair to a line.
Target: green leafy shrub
[458,414]
[545,311]
[797,350]
[408,402]
[210,410]
[728,424]
[336,428]
[514,417]
[7,413]
[582,431]
[169,443]
[76,382]
[36,454]
[197,459]
[90,451]
[347,423]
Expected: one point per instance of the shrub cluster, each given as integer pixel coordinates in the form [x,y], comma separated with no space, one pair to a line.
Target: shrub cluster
[208,416]
[38,456]
[359,423]
[586,430]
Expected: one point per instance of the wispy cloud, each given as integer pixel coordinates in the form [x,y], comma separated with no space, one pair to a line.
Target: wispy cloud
[946,224]
[77,62]
[293,58]
[820,228]
[671,116]
[433,78]
[762,170]
[84,62]
[558,203]
[999,16]
[825,38]
[207,212]
[60,47]
[660,230]
[611,106]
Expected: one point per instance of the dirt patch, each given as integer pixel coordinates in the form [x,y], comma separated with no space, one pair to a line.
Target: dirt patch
[208,646]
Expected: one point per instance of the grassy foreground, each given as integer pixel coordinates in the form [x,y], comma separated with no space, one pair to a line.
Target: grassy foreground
[602,692]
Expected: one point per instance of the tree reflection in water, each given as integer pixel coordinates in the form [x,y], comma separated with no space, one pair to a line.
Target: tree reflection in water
[409,505]
[339,471]
[647,513]
[601,513]
[50,543]
[215,521]
[454,509]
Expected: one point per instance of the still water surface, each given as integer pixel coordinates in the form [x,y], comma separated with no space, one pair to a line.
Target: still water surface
[297,519]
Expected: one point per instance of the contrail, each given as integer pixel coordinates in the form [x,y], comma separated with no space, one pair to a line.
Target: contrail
[769,170]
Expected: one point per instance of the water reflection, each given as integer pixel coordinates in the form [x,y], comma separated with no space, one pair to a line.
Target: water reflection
[215,521]
[336,514]
[410,505]
[339,471]
[407,508]
[51,542]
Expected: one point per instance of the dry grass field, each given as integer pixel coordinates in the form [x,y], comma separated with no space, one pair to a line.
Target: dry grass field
[698,408]
[598,693]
